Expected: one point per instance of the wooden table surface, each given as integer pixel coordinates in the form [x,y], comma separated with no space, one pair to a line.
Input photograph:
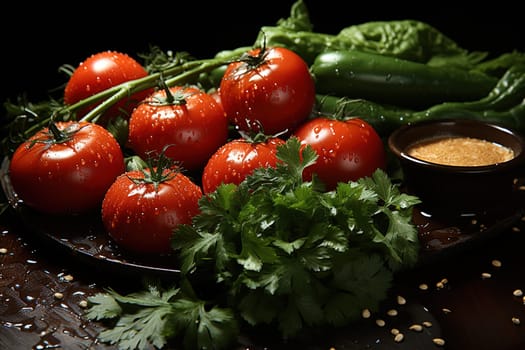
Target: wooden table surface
[470,302]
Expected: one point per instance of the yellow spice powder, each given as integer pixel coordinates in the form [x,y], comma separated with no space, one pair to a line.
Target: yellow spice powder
[461,151]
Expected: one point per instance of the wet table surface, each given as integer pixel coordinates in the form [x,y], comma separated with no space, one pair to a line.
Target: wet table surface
[471,301]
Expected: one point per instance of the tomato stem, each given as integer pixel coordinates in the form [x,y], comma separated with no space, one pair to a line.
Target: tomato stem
[179,75]
[158,170]
[169,95]
[58,135]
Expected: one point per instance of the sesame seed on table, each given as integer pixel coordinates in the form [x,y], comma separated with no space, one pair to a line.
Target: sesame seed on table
[448,301]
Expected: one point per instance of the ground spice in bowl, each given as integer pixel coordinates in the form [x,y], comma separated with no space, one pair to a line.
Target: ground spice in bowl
[460,167]
[461,151]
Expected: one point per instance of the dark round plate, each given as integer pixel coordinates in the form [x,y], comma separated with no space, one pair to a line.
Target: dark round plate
[84,236]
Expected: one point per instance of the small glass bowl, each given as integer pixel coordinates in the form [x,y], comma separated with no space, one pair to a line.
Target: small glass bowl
[453,190]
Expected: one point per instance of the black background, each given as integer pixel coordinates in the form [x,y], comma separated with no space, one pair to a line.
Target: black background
[38,38]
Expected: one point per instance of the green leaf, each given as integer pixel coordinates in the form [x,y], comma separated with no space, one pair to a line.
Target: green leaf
[194,245]
[142,316]
[139,330]
[402,237]
[290,321]
[202,329]
[269,279]
[259,307]
[103,305]
[342,307]
[255,252]
[366,276]
[289,247]
[359,282]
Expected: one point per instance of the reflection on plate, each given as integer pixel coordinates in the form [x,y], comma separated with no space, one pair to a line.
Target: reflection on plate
[85,237]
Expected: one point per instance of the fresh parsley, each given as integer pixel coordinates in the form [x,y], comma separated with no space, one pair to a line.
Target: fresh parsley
[277,250]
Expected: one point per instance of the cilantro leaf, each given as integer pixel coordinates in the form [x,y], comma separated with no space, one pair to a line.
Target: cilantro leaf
[279,251]
[103,306]
[312,257]
[201,328]
[140,329]
[153,316]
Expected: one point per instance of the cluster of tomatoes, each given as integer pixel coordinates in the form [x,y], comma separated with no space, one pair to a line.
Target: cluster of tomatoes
[74,167]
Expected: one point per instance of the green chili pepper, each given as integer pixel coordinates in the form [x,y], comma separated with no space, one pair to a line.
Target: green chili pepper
[392,80]
[503,105]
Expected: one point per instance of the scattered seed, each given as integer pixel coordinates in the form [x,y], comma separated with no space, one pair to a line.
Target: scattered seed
[83,303]
[423,286]
[474,221]
[427,324]
[394,331]
[441,284]
[416,327]
[366,313]
[486,275]
[3,250]
[399,337]
[515,229]
[523,299]
[58,295]
[447,311]
[68,278]
[380,322]
[517,293]
[496,263]
[438,341]
[392,312]
[516,320]
[401,300]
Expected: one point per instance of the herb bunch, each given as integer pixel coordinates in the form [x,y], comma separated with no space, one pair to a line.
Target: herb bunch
[273,250]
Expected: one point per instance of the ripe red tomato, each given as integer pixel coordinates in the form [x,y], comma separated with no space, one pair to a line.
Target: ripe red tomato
[193,124]
[140,210]
[102,71]
[68,174]
[237,159]
[347,150]
[271,89]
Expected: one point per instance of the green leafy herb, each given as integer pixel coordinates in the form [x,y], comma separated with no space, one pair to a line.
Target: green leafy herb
[153,316]
[274,250]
